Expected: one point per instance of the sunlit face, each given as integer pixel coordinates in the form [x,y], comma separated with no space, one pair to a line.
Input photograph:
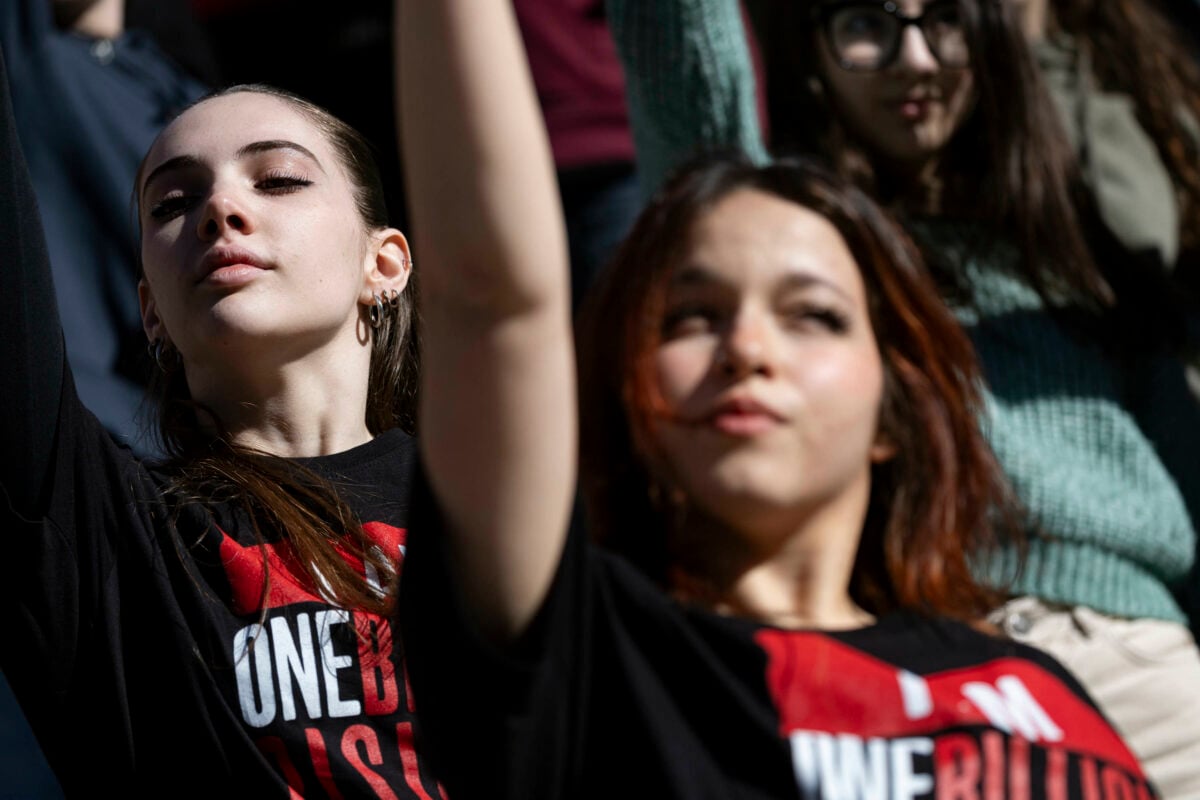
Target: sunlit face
[250,233]
[910,108]
[768,366]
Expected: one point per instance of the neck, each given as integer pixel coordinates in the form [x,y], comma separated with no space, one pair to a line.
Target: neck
[797,577]
[313,406]
[915,188]
[100,19]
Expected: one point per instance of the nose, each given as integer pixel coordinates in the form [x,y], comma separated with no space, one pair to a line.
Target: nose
[748,347]
[915,56]
[223,213]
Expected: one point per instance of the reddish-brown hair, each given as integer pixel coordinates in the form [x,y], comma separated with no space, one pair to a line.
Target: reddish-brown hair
[934,506]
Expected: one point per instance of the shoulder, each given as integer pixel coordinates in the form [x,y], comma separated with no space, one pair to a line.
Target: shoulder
[927,645]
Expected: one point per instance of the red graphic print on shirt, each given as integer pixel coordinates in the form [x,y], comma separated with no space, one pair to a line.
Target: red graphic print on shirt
[1007,728]
[322,688]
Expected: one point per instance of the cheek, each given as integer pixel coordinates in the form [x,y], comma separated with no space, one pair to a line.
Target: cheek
[157,263]
[163,247]
[681,368]
[330,246]
[852,101]
[960,100]
[842,390]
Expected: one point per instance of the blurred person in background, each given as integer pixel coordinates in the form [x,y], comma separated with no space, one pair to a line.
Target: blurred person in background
[1126,81]
[89,96]
[581,92]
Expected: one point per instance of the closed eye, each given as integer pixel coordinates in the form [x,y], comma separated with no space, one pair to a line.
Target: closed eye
[816,317]
[687,320]
[282,183]
[171,206]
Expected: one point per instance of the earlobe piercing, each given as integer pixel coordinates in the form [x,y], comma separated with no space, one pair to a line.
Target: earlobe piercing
[377,310]
[161,351]
[383,302]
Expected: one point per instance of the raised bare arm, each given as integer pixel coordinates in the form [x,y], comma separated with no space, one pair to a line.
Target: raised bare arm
[497,419]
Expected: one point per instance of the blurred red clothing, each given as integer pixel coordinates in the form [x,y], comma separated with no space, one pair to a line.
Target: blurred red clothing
[579,80]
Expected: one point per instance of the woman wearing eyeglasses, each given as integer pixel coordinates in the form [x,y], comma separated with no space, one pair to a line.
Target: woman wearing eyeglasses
[938,110]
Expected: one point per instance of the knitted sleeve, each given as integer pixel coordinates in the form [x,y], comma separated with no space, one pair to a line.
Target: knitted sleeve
[689,79]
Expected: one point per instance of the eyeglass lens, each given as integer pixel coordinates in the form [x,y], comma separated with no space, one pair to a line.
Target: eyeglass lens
[867,36]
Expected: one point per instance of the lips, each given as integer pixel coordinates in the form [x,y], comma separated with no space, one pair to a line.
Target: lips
[230,265]
[915,105]
[742,416]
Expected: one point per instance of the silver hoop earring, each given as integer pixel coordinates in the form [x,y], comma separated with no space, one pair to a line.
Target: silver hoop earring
[375,314]
[158,351]
[394,300]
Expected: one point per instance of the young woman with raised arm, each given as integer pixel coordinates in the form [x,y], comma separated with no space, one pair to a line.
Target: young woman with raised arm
[936,108]
[780,457]
[219,623]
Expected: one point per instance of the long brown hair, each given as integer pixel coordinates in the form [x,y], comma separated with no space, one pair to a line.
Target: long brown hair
[933,507]
[283,499]
[1137,51]
[1009,166]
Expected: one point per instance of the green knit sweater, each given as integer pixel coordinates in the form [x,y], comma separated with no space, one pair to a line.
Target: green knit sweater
[1105,456]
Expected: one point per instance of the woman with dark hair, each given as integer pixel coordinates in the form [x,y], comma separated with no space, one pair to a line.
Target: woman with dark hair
[781,459]
[937,108]
[218,621]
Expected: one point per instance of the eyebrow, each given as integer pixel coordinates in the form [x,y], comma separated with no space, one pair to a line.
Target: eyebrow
[253,148]
[698,276]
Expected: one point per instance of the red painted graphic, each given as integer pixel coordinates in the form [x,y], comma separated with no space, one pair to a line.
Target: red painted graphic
[319,684]
[245,568]
[1005,728]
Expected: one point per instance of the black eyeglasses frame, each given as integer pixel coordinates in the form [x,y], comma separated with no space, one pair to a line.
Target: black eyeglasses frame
[823,14]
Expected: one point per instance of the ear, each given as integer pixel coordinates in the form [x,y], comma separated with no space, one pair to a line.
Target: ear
[883,449]
[151,323]
[387,266]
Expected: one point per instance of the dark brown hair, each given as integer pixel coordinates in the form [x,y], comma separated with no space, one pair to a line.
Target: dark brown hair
[1135,50]
[933,507]
[1009,166]
[283,499]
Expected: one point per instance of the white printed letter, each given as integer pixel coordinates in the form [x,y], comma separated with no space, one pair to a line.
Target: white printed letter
[907,783]
[331,663]
[1013,709]
[299,662]
[256,715]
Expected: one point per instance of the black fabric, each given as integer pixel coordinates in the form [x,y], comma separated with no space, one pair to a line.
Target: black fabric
[124,623]
[618,691]
[87,111]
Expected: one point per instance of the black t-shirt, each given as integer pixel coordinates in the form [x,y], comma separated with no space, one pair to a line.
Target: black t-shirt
[142,651]
[135,638]
[619,691]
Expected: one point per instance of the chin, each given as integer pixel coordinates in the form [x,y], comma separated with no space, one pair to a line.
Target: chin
[747,490]
[240,326]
